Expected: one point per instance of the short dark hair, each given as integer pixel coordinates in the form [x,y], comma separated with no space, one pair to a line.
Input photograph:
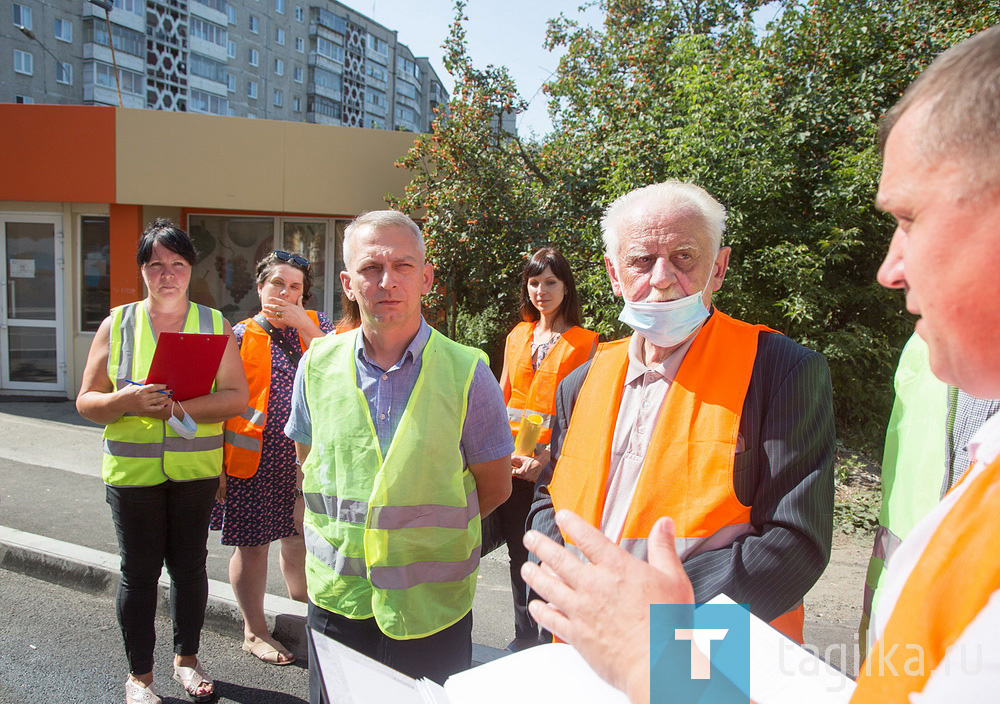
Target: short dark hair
[550,258]
[168,235]
[267,265]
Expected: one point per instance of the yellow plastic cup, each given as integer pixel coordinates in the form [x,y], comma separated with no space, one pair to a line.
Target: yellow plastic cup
[528,434]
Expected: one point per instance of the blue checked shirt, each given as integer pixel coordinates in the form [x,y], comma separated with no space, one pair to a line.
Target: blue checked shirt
[485,436]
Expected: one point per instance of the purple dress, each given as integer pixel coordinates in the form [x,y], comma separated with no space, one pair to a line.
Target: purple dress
[258,510]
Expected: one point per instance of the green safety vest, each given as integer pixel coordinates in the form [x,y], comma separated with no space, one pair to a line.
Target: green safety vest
[913,464]
[143,451]
[395,538]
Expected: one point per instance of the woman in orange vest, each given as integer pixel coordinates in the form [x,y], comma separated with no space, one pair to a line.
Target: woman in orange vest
[540,352]
[258,497]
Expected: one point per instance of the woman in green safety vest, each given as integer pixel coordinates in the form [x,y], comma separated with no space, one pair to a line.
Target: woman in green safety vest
[161,461]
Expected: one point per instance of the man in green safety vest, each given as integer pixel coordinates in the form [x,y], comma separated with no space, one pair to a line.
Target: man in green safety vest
[925,455]
[403,439]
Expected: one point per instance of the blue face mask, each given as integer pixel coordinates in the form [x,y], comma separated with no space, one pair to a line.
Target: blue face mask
[667,323]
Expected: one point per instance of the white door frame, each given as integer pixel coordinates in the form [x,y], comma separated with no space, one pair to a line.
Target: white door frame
[6,385]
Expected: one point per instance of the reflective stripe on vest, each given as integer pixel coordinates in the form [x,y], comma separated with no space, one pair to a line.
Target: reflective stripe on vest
[708,391]
[952,581]
[245,433]
[143,451]
[397,538]
[535,391]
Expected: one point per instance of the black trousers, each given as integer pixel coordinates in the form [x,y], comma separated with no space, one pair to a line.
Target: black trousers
[436,657]
[166,523]
[513,514]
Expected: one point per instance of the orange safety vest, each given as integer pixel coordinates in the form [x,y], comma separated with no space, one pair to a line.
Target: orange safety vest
[244,433]
[535,391]
[709,390]
[951,583]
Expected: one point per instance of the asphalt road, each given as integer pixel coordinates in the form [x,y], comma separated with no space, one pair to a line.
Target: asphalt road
[62,646]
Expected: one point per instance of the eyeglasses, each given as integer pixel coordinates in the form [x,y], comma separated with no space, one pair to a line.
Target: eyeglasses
[287,256]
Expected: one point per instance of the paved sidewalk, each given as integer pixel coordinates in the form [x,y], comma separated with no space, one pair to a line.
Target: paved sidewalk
[55,525]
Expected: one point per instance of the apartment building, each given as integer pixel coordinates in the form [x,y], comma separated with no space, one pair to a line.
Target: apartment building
[313,61]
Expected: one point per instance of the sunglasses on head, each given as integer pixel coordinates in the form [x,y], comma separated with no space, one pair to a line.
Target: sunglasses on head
[287,256]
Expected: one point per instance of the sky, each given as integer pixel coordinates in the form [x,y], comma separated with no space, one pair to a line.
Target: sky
[499,32]
[507,33]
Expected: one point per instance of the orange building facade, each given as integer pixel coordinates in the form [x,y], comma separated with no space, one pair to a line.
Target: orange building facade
[79,184]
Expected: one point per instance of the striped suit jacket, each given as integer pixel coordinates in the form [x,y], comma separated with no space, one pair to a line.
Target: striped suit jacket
[785,473]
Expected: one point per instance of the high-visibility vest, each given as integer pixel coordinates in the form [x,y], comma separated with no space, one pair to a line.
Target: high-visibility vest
[950,584]
[687,473]
[244,434]
[398,537]
[534,392]
[143,451]
[913,466]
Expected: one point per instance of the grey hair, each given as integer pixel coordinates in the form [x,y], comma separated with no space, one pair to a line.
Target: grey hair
[666,196]
[376,220]
[962,88]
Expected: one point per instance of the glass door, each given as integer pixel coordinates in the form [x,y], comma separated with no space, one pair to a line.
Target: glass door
[31,311]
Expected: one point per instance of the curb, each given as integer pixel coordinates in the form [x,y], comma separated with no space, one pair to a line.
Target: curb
[96,572]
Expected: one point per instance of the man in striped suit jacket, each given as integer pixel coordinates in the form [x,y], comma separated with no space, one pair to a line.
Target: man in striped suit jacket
[724,426]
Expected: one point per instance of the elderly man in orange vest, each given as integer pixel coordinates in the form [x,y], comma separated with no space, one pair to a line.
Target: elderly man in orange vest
[938,630]
[726,426]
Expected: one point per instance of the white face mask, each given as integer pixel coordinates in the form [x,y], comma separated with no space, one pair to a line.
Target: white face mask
[185,427]
[667,323]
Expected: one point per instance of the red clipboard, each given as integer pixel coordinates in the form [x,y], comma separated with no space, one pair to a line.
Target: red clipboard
[187,362]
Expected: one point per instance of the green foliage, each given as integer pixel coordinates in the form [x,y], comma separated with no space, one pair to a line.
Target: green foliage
[779,127]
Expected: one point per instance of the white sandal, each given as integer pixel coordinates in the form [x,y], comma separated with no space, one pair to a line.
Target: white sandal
[191,679]
[137,694]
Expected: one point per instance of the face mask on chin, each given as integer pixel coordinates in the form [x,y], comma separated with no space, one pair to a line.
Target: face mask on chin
[667,323]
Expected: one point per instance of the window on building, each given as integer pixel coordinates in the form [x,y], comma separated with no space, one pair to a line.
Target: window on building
[278,98]
[24,100]
[279,6]
[64,73]
[296,104]
[332,21]
[300,45]
[207,68]
[254,57]
[252,89]
[324,106]
[279,67]
[231,82]
[376,97]
[300,14]
[379,46]
[376,72]
[406,114]
[254,25]
[208,31]
[202,101]
[375,123]
[95,271]
[408,67]
[327,79]
[324,47]
[231,50]
[126,40]
[64,30]
[279,36]
[22,16]
[217,5]
[231,14]
[24,62]
[103,75]
[136,7]
[297,74]
[406,89]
